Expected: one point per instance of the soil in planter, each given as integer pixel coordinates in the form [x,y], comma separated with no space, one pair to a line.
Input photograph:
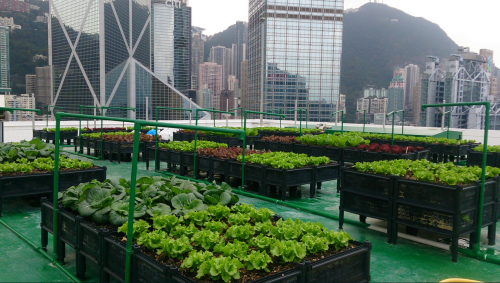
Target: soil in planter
[246,275]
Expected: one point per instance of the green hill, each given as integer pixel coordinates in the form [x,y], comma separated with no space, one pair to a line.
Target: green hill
[225,38]
[373,45]
[26,43]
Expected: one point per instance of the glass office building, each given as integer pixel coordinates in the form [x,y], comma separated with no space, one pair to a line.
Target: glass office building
[301,45]
[117,53]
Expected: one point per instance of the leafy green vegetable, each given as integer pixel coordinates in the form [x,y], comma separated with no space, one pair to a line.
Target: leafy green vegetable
[175,248]
[138,227]
[285,160]
[225,268]
[195,259]
[165,222]
[206,239]
[236,249]
[179,231]
[288,251]
[262,214]
[238,219]
[240,232]
[258,260]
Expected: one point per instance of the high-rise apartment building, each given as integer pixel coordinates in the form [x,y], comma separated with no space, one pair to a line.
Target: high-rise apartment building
[197,56]
[395,95]
[239,49]
[294,53]
[171,42]
[210,78]
[30,83]
[464,80]
[43,93]
[232,83]
[15,6]
[411,79]
[117,53]
[4,60]
[226,100]
[222,56]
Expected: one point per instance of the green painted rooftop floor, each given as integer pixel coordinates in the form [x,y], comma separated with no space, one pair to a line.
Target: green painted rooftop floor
[405,262]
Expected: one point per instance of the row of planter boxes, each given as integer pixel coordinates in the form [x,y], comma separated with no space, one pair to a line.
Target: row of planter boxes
[109,253]
[439,151]
[263,175]
[43,183]
[341,155]
[441,209]
[475,158]
[230,141]
[110,147]
[285,134]
[49,137]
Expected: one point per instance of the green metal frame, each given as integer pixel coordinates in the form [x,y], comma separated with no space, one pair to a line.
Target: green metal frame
[241,112]
[11,110]
[263,113]
[364,118]
[300,118]
[476,252]
[342,119]
[124,109]
[47,114]
[156,136]
[402,131]
[212,111]
[80,153]
[448,130]
[137,127]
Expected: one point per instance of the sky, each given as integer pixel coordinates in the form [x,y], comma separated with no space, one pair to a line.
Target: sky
[472,23]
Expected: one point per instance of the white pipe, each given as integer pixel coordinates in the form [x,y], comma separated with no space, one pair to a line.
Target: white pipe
[442,117]
[413,238]
[295,112]
[147,108]
[190,108]
[33,114]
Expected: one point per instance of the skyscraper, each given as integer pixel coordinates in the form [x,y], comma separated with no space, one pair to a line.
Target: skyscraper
[222,56]
[30,83]
[117,53]
[210,78]
[197,56]
[4,60]
[411,79]
[240,48]
[43,87]
[395,95]
[294,54]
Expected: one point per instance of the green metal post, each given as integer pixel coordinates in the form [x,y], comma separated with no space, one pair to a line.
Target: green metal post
[47,114]
[55,211]
[300,118]
[364,118]
[241,112]
[393,113]
[131,205]
[448,131]
[213,111]
[197,110]
[156,136]
[477,247]
[342,119]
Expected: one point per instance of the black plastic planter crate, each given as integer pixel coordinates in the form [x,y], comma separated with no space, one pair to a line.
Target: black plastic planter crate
[367,183]
[301,148]
[489,214]
[204,163]
[327,172]
[434,220]
[234,168]
[146,269]
[369,156]
[390,156]
[317,151]
[475,158]
[114,256]
[175,157]
[365,205]
[423,154]
[334,153]
[289,276]
[436,195]
[435,148]
[91,241]
[68,232]
[287,147]
[260,145]
[47,221]
[37,134]
[274,146]
[350,266]
[178,137]
[187,159]
[289,177]
[351,155]
[255,172]
[455,150]
[74,178]
[219,166]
